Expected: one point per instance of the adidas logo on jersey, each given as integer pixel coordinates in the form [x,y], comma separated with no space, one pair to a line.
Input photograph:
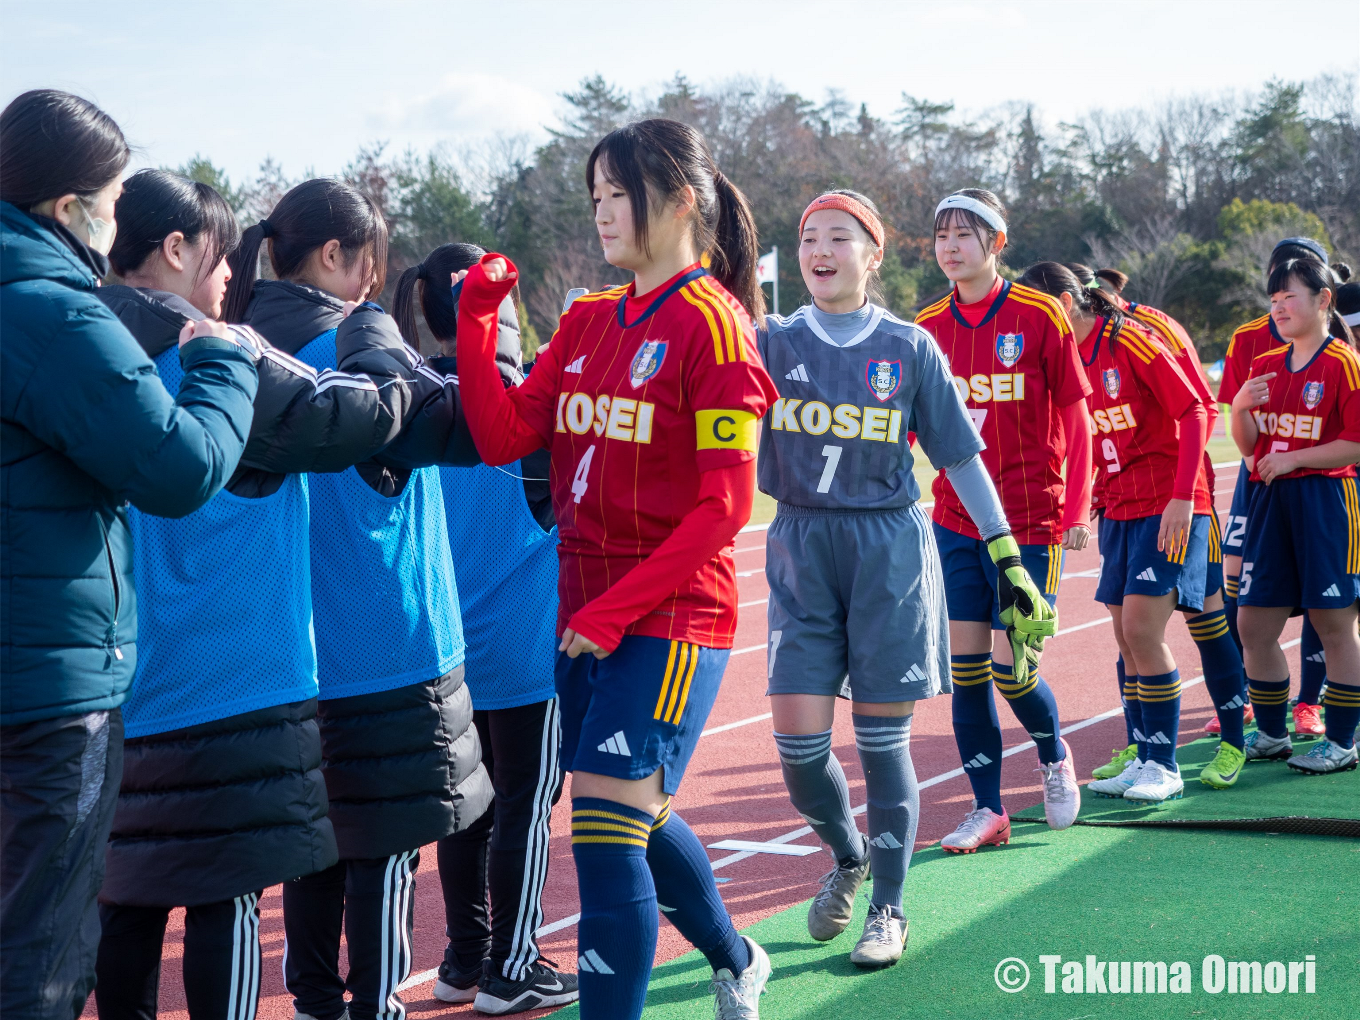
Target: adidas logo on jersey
[887,841]
[1332,592]
[590,962]
[1158,738]
[914,675]
[1318,657]
[799,374]
[617,744]
[578,366]
[977,761]
[1147,575]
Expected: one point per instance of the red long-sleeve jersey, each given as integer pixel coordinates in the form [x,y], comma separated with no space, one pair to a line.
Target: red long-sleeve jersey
[1248,341]
[1312,405]
[636,398]
[1015,369]
[1140,399]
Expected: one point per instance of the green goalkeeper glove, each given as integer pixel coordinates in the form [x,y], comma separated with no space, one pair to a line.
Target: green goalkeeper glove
[1023,606]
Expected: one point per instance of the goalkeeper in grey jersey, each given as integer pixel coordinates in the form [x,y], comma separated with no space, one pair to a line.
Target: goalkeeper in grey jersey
[856,589]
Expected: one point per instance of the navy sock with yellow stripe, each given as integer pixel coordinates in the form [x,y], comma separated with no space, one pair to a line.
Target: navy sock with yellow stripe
[1270,699]
[1230,583]
[1159,698]
[616,936]
[1223,676]
[688,896]
[1343,712]
[977,731]
[1035,707]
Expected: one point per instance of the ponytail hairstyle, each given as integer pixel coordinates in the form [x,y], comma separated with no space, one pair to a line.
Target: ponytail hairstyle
[1114,278]
[945,218]
[436,301]
[52,144]
[1342,272]
[156,204]
[308,216]
[653,160]
[1054,278]
[1316,277]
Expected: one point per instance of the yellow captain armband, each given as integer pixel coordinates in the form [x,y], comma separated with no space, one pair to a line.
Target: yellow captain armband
[726,430]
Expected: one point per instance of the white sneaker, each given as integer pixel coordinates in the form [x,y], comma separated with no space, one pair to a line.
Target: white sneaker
[1156,783]
[882,942]
[980,827]
[738,998]
[1062,795]
[1116,786]
[1262,747]
[1326,757]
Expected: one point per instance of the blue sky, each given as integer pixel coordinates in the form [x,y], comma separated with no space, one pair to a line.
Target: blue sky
[307,82]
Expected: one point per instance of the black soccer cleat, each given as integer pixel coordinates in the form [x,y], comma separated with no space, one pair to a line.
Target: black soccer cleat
[542,986]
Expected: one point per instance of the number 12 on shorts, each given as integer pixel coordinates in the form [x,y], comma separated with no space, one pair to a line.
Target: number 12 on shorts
[833,457]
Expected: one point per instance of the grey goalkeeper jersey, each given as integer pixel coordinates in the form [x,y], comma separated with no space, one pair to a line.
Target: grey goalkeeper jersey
[837,435]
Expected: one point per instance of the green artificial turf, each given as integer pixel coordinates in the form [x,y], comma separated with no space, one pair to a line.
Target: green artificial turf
[1117,893]
[1268,797]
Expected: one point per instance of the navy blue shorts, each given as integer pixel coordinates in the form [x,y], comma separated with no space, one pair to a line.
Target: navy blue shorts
[640,709]
[1131,565]
[1235,524]
[970,575]
[1303,544]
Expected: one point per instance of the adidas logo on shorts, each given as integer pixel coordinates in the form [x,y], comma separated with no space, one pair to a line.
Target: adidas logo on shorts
[590,962]
[977,761]
[1332,592]
[914,675]
[578,366]
[799,374]
[887,841]
[617,744]
[1147,575]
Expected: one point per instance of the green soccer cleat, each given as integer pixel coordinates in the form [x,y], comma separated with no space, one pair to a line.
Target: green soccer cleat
[1223,771]
[1117,763]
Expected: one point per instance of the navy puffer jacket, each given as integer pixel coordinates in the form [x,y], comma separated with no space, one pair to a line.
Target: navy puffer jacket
[85,427]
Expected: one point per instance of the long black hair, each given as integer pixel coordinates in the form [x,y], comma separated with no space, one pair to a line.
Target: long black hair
[436,302]
[53,143]
[308,216]
[1054,278]
[1316,277]
[653,160]
[156,204]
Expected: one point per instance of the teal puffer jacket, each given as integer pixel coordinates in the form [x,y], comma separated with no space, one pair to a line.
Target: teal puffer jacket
[85,428]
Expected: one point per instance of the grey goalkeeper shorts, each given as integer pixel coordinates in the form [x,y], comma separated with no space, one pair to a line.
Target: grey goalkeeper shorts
[857,595]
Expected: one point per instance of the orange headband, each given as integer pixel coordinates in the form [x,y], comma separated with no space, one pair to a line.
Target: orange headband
[854,207]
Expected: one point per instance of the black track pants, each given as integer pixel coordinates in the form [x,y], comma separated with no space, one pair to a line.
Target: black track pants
[505,852]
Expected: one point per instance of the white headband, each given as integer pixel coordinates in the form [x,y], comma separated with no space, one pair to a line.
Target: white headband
[1352,320]
[989,215]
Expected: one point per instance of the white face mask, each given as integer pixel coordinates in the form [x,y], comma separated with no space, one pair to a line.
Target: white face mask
[100,232]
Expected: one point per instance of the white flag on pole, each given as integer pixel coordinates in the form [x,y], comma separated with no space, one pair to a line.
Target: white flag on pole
[767,268]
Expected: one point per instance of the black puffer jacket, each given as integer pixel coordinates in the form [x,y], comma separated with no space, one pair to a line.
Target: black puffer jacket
[220,809]
[402,767]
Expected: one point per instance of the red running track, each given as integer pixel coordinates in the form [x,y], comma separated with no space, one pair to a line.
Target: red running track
[733,789]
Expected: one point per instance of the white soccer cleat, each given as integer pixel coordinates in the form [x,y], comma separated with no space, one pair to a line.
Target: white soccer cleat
[1118,785]
[1326,757]
[1156,783]
[883,939]
[738,997]
[980,827]
[1062,795]
[1262,747]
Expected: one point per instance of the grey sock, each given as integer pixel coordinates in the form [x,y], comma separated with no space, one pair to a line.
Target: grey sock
[819,792]
[884,746]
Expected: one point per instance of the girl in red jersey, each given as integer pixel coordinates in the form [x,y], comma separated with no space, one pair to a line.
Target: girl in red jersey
[1154,529]
[1016,366]
[648,398]
[1298,416]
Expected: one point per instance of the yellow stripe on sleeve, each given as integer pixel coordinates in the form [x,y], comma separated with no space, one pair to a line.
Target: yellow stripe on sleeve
[731,327]
[702,305]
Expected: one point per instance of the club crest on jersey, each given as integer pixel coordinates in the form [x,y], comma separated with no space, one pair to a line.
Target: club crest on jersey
[647,361]
[884,378]
[1110,377]
[1312,394]
[1009,347]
